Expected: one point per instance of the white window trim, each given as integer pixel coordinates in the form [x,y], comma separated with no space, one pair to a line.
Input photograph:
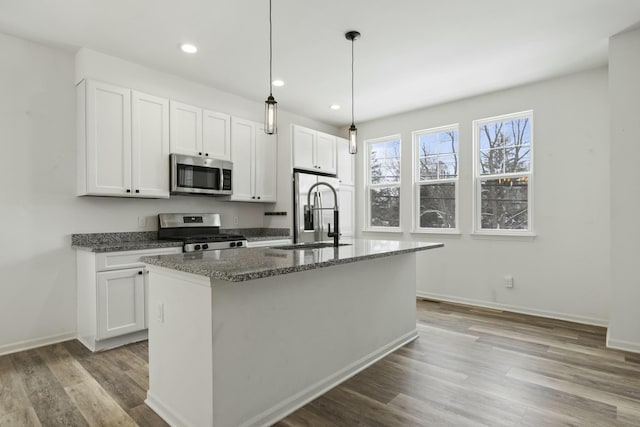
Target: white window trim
[368,186]
[416,229]
[477,179]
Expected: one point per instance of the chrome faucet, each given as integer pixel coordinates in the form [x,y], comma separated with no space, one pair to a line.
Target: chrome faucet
[336,215]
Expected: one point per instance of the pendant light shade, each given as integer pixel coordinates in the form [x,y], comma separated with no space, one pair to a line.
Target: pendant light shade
[353,131]
[270,105]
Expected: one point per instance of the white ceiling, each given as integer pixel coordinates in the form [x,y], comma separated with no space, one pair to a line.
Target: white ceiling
[412,54]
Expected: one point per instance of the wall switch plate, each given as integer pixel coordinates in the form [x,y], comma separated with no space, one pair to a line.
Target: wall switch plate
[142,221]
[236,221]
[508,281]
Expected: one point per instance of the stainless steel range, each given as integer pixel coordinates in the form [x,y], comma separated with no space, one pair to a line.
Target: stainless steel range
[198,232]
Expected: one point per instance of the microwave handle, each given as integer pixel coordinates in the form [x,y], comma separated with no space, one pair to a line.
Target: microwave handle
[221,179]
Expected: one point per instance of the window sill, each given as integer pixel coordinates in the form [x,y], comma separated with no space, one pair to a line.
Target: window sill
[450,231]
[493,235]
[383,230]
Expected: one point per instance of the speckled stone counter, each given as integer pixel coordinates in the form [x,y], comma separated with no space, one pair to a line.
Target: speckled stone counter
[239,265]
[139,240]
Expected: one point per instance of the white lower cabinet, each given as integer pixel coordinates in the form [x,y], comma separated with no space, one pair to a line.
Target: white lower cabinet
[111,290]
[120,302]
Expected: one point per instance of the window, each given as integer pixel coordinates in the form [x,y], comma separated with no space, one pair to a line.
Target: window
[383,183]
[436,179]
[503,148]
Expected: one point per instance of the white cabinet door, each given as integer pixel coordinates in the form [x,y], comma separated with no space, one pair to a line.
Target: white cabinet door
[120,302]
[346,163]
[266,166]
[108,139]
[303,143]
[346,197]
[216,135]
[326,152]
[150,125]
[243,135]
[186,129]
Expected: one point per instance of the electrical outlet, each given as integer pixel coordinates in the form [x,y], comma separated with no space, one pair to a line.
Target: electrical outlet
[236,221]
[508,281]
[142,221]
[161,312]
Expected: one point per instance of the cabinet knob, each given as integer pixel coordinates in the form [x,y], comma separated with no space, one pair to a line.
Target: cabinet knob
[140,273]
[253,197]
[206,154]
[128,190]
[199,153]
[258,197]
[137,191]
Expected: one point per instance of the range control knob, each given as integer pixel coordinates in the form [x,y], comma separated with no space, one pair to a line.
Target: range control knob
[196,247]
[239,244]
[232,244]
[205,247]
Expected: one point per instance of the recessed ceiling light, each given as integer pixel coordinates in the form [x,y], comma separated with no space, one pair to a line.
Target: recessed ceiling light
[278,83]
[188,48]
[335,107]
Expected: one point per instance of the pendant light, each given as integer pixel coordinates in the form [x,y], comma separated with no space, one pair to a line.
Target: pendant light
[353,131]
[270,105]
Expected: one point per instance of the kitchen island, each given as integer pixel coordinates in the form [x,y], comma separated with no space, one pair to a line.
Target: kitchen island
[243,337]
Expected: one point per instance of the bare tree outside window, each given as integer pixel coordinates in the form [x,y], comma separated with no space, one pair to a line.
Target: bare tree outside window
[384,182]
[437,170]
[504,172]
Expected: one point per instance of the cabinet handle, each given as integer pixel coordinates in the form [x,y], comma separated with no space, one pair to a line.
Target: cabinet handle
[140,273]
[137,191]
[128,190]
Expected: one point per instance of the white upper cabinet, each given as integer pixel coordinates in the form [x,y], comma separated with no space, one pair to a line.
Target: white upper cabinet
[242,147]
[150,142]
[266,155]
[326,152]
[254,157]
[186,129]
[106,140]
[198,132]
[216,135]
[313,150]
[346,163]
[123,142]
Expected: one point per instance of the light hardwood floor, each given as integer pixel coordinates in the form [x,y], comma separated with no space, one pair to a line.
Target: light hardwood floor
[470,367]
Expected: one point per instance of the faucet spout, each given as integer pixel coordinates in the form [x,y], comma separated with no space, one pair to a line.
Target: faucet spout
[336,214]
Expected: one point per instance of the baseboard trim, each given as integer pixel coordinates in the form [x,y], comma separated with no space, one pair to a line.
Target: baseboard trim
[516,309]
[165,413]
[298,400]
[36,342]
[633,347]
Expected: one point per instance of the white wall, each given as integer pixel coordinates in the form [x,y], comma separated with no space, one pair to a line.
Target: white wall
[562,272]
[624,93]
[38,208]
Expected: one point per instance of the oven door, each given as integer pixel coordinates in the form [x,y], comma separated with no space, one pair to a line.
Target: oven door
[198,175]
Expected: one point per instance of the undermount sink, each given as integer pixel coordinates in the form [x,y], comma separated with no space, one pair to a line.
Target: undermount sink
[315,245]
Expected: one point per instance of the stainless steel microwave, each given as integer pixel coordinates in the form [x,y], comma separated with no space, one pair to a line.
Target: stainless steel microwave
[200,175]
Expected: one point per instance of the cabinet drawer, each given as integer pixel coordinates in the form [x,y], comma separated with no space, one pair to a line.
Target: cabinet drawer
[128,259]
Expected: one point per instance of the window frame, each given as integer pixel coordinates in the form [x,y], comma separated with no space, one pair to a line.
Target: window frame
[369,186]
[478,178]
[417,183]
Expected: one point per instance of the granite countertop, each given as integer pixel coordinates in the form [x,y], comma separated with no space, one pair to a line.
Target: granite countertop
[239,265]
[139,240]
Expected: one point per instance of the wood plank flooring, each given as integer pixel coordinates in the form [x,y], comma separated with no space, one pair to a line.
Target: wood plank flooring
[469,367]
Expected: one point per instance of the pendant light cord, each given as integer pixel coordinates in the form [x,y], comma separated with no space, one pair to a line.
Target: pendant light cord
[352,80]
[270,52]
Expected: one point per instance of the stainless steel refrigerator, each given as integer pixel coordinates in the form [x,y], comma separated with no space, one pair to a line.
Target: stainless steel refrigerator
[315,226]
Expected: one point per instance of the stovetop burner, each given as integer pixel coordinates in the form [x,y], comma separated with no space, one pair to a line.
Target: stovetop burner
[198,232]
